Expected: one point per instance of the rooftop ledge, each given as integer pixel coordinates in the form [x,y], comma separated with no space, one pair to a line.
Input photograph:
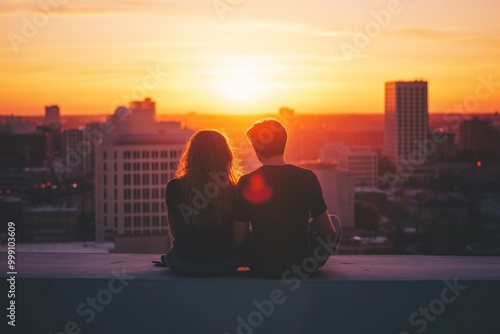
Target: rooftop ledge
[125,293]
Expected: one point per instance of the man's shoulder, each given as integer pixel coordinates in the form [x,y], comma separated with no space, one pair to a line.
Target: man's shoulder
[249,174]
[246,177]
[300,172]
[301,169]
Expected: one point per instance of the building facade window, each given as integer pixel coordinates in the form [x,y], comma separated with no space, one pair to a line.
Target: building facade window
[137,193]
[137,207]
[127,207]
[137,179]
[155,207]
[145,179]
[127,193]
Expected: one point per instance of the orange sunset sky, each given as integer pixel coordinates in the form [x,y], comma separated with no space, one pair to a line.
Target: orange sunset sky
[88,56]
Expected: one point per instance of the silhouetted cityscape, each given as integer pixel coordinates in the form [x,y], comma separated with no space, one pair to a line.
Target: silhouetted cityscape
[404,182]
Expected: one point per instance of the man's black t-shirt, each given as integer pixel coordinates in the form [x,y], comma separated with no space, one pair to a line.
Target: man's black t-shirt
[208,244]
[277,201]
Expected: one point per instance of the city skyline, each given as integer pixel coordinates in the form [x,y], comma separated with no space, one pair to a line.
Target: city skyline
[89,57]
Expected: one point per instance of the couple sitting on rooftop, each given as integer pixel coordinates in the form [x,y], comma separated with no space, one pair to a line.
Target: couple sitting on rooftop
[270,220]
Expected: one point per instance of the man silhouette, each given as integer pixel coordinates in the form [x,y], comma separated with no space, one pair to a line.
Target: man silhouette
[273,207]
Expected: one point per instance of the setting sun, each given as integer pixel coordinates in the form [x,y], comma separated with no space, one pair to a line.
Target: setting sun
[239,84]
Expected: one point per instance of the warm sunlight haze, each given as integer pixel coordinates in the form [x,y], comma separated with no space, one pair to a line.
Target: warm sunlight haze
[328,57]
[238,84]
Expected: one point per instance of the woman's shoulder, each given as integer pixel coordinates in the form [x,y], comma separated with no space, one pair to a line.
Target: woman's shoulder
[174,186]
[175,182]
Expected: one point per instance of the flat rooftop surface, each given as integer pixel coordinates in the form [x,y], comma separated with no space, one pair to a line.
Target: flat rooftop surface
[126,293]
[338,268]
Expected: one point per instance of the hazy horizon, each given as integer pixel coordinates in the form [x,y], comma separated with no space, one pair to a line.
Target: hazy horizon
[263,114]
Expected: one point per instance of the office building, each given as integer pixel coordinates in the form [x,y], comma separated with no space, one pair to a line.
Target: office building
[22,150]
[477,135]
[131,172]
[362,162]
[73,151]
[51,115]
[446,149]
[406,121]
[93,135]
[338,190]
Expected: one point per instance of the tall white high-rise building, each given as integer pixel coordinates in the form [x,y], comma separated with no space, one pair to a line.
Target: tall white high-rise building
[338,190]
[406,120]
[131,172]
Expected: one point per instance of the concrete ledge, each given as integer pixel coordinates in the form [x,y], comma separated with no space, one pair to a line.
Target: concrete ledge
[352,294]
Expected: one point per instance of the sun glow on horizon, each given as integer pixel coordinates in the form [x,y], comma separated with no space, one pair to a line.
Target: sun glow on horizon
[239,84]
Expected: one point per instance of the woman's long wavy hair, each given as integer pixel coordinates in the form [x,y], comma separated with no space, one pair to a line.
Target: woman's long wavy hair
[208,166]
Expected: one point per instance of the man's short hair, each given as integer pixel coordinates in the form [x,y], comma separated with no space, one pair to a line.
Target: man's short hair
[268,137]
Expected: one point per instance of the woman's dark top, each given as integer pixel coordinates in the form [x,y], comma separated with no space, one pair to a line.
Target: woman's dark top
[206,244]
